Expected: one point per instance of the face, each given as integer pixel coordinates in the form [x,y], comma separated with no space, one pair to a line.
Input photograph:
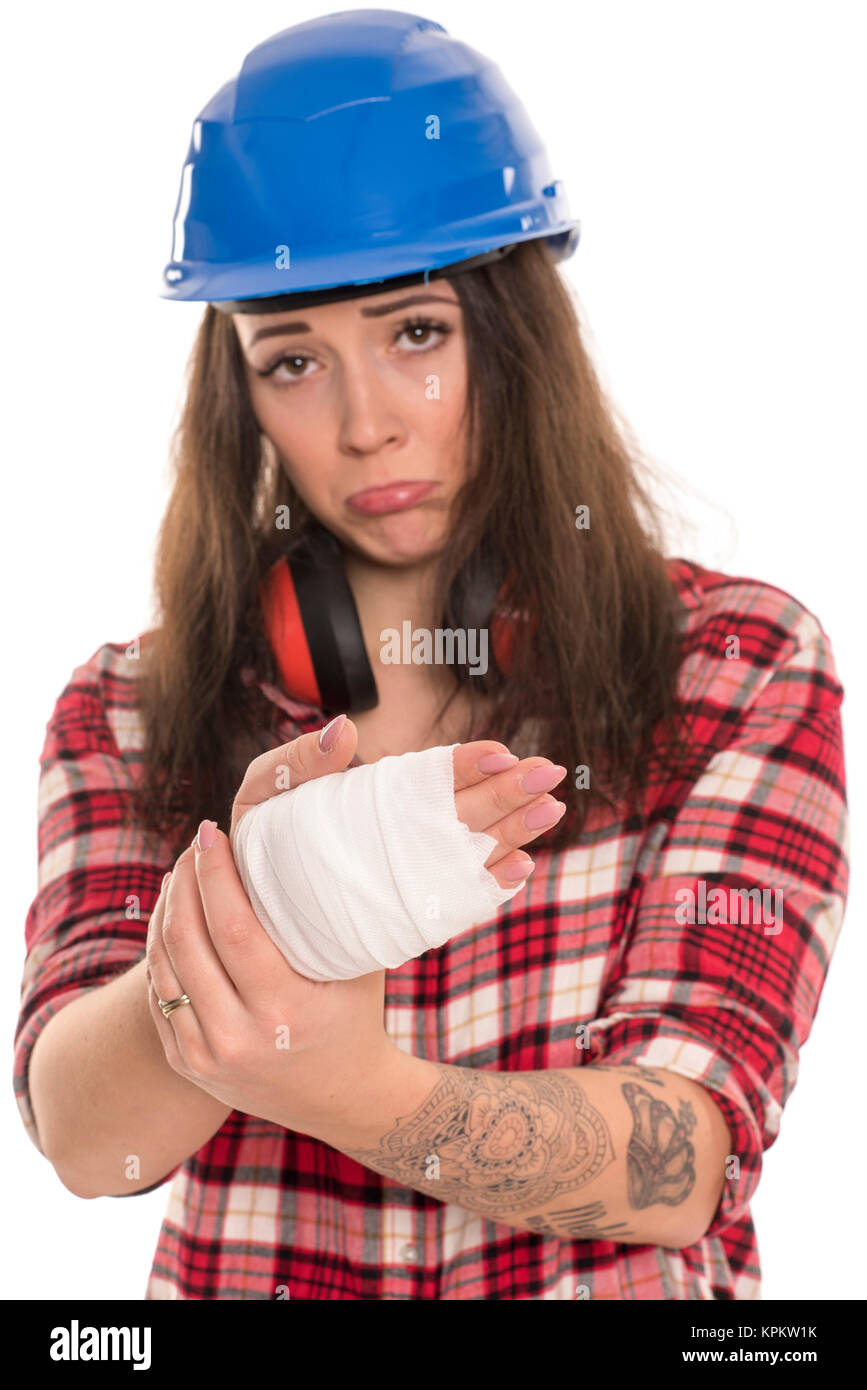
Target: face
[363,400]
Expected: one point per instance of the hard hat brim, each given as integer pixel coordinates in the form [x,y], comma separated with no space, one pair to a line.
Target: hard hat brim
[317,290]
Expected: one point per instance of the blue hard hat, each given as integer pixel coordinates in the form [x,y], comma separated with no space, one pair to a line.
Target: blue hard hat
[355,149]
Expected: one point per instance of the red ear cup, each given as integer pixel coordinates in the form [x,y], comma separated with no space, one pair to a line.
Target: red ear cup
[485,605]
[313,626]
[510,627]
[285,632]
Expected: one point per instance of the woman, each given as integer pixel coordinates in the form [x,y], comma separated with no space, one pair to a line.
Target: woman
[391,419]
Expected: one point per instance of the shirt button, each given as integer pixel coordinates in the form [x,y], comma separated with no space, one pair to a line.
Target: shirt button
[409,1254]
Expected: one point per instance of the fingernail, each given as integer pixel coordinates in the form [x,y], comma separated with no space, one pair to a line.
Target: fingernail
[331,733]
[546,814]
[496,762]
[206,834]
[166,878]
[516,871]
[542,779]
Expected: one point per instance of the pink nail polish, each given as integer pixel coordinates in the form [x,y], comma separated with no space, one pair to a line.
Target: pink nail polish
[545,814]
[331,733]
[542,779]
[206,834]
[496,762]
[516,871]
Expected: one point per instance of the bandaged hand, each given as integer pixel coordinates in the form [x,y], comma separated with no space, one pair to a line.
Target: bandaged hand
[360,870]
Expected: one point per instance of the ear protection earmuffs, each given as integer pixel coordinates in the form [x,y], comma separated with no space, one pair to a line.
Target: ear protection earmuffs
[312,624]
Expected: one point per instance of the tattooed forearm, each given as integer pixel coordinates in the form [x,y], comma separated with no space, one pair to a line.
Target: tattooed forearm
[578,1223]
[496,1143]
[609,1153]
[660,1158]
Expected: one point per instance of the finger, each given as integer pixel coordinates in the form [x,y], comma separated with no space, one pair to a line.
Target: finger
[159,967]
[496,797]
[196,967]
[512,868]
[288,766]
[165,1031]
[246,952]
[512,831]
[164,982]
[467,757]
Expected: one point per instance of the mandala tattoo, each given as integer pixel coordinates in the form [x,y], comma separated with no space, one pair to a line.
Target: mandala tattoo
[503,1143]
[660,1158]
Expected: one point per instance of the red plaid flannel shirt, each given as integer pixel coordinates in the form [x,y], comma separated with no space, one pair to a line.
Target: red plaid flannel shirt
[597,938]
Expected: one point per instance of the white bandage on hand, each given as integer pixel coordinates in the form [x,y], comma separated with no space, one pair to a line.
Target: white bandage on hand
[364,869]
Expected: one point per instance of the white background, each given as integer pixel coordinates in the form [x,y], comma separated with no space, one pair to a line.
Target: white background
[715,155]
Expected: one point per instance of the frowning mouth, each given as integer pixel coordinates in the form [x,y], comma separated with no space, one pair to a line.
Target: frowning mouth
[391,497]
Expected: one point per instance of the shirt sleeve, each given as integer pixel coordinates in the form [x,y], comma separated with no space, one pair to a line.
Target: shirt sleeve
[97,882]
[716,986]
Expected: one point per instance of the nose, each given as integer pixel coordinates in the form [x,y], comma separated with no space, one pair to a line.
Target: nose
[368,415]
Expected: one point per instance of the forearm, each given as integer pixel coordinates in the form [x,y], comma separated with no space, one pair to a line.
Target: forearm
[629,1154]
[112,1115]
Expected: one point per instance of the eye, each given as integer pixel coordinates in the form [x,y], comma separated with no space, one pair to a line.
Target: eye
[417,325]
[422,325]
[285,357]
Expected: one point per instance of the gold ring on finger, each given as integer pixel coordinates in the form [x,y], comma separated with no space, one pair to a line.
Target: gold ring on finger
[168,1006]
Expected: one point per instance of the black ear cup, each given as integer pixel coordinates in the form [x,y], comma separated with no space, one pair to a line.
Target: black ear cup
[330,622]
[472,606]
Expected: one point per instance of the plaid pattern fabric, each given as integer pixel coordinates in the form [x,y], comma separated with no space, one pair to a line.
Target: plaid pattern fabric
[601,937]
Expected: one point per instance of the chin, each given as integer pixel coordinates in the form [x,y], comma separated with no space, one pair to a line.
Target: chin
[400,538]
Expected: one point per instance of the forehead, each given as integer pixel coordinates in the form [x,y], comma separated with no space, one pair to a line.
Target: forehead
[364,308]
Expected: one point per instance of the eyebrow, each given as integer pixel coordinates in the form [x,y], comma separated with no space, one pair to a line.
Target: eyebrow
[300,327]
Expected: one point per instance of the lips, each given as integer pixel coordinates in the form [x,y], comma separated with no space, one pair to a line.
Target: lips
[392,497]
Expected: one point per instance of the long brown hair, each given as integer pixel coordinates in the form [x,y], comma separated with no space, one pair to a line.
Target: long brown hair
[595,678]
